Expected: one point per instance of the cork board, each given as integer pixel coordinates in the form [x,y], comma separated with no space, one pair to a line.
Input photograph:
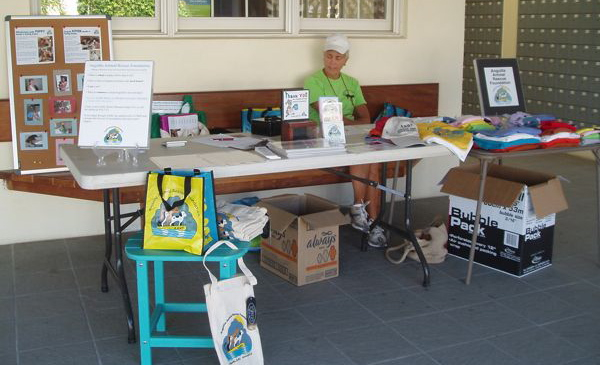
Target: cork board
[46,62]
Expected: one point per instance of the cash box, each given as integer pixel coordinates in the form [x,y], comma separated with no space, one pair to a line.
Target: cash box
[268,126]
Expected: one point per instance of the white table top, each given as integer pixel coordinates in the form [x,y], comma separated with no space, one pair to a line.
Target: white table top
[82,162]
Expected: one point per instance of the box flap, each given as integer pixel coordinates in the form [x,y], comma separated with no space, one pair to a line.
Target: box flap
[548,198]
[320,212]
[463,181]
[326,218]
[279,218]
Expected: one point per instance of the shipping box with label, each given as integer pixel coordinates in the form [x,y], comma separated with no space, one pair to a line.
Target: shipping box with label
[304,243]
[516,227]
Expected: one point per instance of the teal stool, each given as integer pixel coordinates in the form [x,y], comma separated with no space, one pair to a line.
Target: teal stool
[150,323]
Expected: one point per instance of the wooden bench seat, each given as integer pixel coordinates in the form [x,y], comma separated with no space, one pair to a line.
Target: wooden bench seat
[222,109]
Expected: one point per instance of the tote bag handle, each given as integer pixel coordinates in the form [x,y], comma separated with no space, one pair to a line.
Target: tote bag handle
[240,262]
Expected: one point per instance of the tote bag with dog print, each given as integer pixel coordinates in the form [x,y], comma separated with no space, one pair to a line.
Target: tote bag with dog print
[175,214]
[231,309]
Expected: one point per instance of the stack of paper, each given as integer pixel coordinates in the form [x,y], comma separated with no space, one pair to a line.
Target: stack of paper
[306,148]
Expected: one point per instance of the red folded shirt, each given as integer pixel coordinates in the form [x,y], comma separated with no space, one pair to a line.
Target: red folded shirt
[553,124]
[561,142]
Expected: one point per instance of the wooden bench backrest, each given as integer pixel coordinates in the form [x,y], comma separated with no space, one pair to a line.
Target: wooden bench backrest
[223,108]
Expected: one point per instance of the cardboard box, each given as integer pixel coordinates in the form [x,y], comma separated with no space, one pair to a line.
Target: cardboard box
[303,246]
[517,216]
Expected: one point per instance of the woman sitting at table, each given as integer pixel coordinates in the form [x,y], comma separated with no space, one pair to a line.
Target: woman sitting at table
[330,81]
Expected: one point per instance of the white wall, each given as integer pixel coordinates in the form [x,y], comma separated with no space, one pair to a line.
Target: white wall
[431,52]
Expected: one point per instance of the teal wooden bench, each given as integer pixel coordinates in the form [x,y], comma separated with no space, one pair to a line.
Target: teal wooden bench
[152,326]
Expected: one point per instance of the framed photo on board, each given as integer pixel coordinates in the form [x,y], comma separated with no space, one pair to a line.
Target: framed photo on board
[499,86]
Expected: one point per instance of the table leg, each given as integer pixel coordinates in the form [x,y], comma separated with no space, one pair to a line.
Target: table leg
[120,271]
[597,154]
[107,242]
[482,176]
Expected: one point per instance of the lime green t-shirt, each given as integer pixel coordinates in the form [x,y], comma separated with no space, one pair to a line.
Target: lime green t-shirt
[346,88]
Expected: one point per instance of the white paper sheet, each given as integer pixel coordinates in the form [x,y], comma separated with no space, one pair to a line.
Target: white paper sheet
[202,160]
[115,107]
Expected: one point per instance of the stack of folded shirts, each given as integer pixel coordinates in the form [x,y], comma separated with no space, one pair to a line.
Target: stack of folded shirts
[589,135]
[472,123]
[559,134]
[240,222]
[508,139]
[521,119]
[457,140]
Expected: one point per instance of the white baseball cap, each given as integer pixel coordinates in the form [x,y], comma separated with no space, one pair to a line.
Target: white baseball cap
[402,132]
[337,42]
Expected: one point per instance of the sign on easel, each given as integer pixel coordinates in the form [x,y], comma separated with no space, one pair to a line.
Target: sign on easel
[115,107]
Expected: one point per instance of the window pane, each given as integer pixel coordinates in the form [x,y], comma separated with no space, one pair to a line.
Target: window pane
[344,9]
[229,8]
[263,8]
[114,8]
[372,9]
[194,8]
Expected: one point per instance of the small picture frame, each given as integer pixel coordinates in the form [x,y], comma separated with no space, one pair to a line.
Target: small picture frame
[80,82]
[62,82]
[63,127]
[33,111]
[294,104]
[499,86]
[33,141]
[59,142]
[33,84]
[61,106]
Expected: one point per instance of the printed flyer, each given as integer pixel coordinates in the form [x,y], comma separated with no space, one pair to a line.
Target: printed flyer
[34,46]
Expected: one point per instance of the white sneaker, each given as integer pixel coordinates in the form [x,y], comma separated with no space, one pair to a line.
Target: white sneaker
[360,217]
[377,237]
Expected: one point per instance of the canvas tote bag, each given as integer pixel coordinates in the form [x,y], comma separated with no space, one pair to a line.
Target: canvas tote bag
[231,311]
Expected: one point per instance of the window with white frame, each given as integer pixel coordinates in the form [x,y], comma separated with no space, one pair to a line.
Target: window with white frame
[236,17]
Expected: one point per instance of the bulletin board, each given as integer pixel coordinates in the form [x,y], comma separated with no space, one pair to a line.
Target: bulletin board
[46,62]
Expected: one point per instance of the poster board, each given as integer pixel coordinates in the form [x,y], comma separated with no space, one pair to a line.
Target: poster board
[46,57]
[499,86]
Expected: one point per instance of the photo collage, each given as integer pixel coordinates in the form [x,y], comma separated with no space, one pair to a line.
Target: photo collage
[48,79]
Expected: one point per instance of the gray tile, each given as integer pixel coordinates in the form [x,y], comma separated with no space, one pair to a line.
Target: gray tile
[74,354]
[473,353]
[410,274]
[549,277]
[433,331]
[48,304]
[86,251]
[7,309]
[322,291]
[583,267]
[88,276]
[457,268]
[93,298]
[499,285]
[524,346]
[364,282]
[451,294]
[582,331]
[396,304]
[310,350]
[489,319]
[52,331]
[7,287]
[9,358]
[337,315]
[540,307]
[117,351]
[371,344]
[6,256]
[211,359]
[588,360]
[411,360]
[34,257]
[108,323]
[43,281]
[7,337]
[270,299]
[583,295]
[285,325]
